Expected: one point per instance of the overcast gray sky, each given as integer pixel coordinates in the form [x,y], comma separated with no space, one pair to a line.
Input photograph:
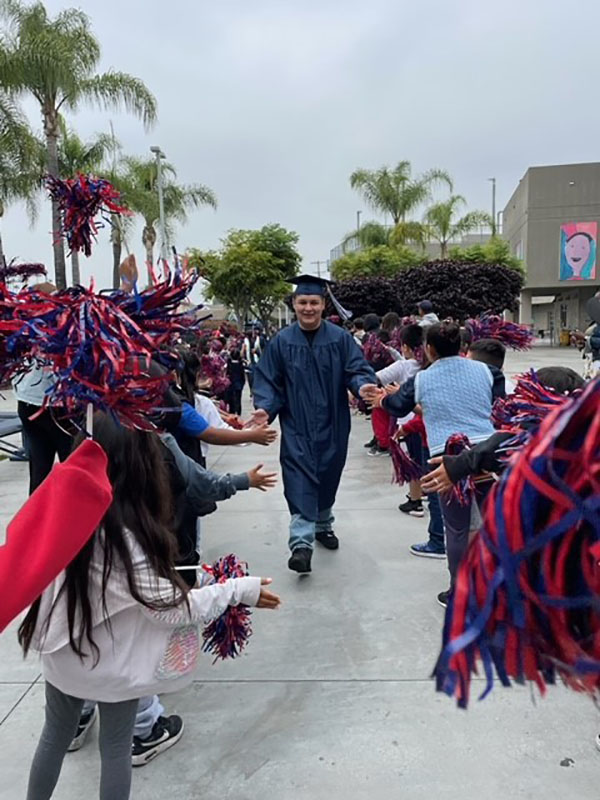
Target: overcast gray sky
[274,103]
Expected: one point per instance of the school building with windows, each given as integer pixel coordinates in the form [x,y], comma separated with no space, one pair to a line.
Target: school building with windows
[552,222]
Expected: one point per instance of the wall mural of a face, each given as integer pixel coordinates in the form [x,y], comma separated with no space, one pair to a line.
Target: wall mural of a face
[578,251]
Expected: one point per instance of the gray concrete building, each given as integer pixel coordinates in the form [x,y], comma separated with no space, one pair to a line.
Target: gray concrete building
[551,222]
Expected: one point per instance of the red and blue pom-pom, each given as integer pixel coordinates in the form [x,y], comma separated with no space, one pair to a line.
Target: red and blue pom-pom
[493,326]
[226,636]
[81,199]
[527,593]
[464,490]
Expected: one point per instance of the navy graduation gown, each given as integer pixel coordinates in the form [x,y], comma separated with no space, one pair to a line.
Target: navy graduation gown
[307,387]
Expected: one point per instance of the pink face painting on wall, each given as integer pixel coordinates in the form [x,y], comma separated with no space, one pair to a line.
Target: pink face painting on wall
[578,251]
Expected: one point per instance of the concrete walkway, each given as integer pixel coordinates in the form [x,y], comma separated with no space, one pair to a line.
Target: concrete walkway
[333,697]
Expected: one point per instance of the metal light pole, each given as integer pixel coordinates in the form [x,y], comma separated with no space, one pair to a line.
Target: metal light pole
[358,213]
[493,180]
[159,155]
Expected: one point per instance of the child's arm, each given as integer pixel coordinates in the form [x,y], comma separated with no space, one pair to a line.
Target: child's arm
[209,602]
[203,484]
[258,435]
[482,457]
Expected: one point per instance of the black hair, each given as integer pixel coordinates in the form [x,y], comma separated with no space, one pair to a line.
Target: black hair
[390,321]
[490,351]
[371,323]
[580,233]
[444,337]
[188,374]
[236,355]
[412,336]
[359,323]
[141,505]
[563,380]
[383,336]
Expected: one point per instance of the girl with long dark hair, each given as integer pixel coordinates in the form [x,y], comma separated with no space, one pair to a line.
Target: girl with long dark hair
[119,623]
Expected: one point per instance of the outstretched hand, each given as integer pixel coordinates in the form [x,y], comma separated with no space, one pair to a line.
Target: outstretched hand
[372,394]
[261,480]
[259,417]
[438,480]
[262,434]
[266,598]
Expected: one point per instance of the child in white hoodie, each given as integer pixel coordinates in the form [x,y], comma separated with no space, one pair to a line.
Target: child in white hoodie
[119,623]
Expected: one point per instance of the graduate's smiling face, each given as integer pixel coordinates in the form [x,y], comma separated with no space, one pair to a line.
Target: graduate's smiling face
[309,310]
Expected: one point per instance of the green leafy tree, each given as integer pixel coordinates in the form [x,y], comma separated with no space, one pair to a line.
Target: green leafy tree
[495,251]
[139,186]
[250,273]
[55,61]
[444,225]
[381,261]
[75,155]
[20,171]
[395,191]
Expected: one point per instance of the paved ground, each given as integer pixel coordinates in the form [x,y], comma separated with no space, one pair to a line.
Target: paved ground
[333,699]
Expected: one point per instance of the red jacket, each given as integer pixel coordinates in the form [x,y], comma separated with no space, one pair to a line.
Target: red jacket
[52,527]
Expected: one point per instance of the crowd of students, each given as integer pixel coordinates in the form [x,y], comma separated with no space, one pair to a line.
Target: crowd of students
[120,625]
[444,385]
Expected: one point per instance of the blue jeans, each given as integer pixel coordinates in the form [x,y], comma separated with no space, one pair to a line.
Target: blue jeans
[436,522]
[148,711]
[302,530]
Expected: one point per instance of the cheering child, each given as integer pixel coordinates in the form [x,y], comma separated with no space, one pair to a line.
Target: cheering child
[119,623]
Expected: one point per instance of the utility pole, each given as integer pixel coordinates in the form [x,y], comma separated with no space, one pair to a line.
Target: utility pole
[358,213]
[493,180]
[159,155]
[318,265]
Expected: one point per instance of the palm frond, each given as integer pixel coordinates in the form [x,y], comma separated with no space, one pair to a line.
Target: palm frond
[118,90]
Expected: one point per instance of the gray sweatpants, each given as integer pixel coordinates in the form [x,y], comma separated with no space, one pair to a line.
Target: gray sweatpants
[116,736]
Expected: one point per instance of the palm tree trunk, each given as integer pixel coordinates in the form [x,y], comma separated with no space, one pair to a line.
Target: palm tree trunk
[443,249]
[58,246]
[75,268]
[117,247]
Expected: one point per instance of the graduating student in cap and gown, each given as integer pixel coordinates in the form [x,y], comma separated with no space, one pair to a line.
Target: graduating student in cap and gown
[304,376]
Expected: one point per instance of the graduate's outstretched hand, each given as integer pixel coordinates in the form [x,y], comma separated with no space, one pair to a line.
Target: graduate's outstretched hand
[261,480]
[262,434]
[259,417]
[438,480]
[266,598]
[372,394]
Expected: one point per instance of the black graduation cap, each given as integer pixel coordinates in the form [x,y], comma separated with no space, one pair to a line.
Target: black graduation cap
[593,308]
[310,284]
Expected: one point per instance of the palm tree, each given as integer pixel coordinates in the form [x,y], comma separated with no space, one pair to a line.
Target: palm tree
[20,175]
[75,156]
[370,234]
[443,226]
[140,194]
[395,191]
[55,61]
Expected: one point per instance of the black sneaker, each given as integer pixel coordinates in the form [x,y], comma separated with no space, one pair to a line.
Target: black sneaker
[166,732]
[371,444]
[377,450]
[328,539]
[442,598]
[413,507]
[300,560]
[86,722]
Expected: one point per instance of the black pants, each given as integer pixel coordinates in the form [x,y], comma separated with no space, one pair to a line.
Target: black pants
[45,441]
[234,401]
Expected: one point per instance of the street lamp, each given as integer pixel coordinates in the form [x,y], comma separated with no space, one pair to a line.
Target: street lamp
[493,180]
[159,155]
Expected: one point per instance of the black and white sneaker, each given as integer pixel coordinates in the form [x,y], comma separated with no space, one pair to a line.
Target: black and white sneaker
[371,444]
[86,723]
[166,732]
[413,507]
[300,560]
[328,539]
[443,598]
